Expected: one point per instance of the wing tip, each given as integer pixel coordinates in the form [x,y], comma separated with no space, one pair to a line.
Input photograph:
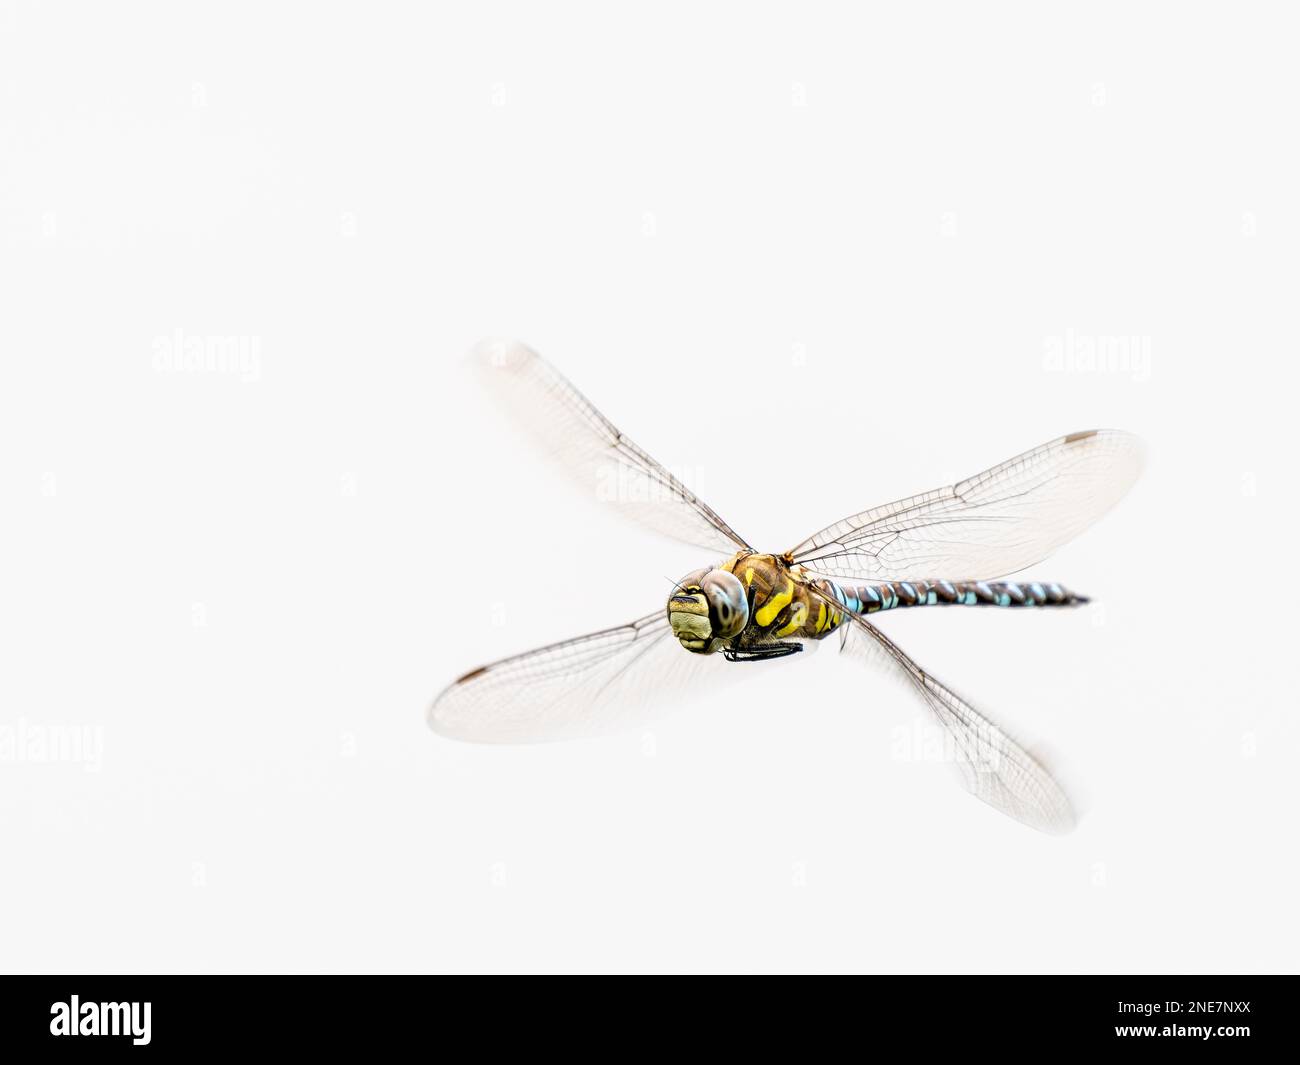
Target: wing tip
[1127,452]
[1063,823]
[1063,809]
[431,714]
[437,720]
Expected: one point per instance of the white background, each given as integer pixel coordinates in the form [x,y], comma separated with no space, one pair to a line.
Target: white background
[864,233]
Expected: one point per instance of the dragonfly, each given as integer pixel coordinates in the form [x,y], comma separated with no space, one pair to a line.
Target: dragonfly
[951,546]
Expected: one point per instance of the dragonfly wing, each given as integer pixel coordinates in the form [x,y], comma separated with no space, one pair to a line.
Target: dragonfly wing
[992,766]
[603,682]
[589,446]
[997,522]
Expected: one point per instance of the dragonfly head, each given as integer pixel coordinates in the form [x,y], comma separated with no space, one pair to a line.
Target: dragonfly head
[708,608]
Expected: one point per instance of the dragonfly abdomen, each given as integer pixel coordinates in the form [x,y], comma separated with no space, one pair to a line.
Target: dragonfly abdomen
[889,595]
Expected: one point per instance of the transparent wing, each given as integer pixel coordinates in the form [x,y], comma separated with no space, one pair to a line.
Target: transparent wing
[605,462]
[997,522]
[603,682]
[992,766]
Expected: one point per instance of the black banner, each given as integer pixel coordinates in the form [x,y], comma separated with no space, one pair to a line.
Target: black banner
[166,1014]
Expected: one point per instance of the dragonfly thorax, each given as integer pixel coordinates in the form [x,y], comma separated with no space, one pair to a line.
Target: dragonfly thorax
[708,608]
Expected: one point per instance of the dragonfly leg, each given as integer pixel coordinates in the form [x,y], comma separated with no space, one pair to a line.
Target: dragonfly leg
[761,652]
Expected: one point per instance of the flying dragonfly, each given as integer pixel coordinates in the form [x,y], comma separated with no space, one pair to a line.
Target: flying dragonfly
[951,546]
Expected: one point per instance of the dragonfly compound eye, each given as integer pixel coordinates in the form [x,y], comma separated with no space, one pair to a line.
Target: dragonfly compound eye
[728,605]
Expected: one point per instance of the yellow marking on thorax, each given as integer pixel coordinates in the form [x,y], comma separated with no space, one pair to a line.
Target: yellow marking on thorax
[768,611]
[797,617]
[821,616]
[749,576]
